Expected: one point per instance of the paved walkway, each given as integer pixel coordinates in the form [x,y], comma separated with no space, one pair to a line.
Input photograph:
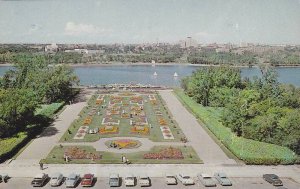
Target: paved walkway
[146,144]
[205,147]
[43,144]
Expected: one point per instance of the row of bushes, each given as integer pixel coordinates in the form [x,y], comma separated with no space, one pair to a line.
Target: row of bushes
[10,146]
[250,151]
[49,109]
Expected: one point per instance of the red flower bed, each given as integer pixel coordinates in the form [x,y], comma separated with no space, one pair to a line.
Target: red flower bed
[77,153]
[166,153]
[81,131]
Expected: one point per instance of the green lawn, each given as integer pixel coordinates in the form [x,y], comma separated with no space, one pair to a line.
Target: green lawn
[124,126]
[10,146]
[56,156]
[250,151]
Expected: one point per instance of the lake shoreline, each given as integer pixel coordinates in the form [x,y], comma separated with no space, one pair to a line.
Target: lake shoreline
[162,64]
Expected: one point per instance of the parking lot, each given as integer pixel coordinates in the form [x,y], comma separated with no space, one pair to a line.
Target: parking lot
[159,183]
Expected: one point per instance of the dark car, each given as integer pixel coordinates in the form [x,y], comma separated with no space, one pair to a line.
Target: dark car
[273,179]
[39,180]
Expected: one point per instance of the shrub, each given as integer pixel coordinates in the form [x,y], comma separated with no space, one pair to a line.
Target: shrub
[49,109]
[11,145]
[250,151]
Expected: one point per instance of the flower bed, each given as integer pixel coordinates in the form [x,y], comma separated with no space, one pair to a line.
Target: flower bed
[126,94]
[162,121]
[109,130]
[166,132]
[140,130]
[77,153]
[123,144]
[165,153]
[87,120]
[110,121]
[81,132]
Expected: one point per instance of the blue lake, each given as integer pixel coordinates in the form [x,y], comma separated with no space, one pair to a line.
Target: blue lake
[92,75]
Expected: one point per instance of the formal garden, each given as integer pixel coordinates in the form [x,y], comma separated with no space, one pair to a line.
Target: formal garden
[124,114]
[158,154]
[116,115]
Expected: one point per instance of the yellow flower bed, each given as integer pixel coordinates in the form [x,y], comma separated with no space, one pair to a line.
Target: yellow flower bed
[162,121]
[140,130]
[125,143]
[153,102]
[98,101]
[109,130]
[87,120]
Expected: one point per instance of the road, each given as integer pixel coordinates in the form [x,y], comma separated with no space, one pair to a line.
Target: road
[158,183]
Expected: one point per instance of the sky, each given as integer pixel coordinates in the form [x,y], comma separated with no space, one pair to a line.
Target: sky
[148,21]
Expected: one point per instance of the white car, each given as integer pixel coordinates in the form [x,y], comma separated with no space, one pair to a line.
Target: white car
[93,131]
[129,180]
[56,179]
[185,179]
[144,181]
[206,180]
[171,179]
[72,180]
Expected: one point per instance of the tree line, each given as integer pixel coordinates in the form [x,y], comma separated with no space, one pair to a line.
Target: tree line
[260,108]
[30,83]
[164,54]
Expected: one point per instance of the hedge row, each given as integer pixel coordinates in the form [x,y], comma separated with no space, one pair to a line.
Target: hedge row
[49,110]
[9,146]
[250,151]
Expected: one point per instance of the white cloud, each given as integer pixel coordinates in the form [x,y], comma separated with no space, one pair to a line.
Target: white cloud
[72,28]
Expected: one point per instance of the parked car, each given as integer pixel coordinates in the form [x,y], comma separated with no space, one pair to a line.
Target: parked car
[144,181]
[39,180]
[223,179]
[206,180]
[171,179]
[185,179]
[273,179]
[72,180]
[114,180]
[87,180]
[56,179]
[129,180]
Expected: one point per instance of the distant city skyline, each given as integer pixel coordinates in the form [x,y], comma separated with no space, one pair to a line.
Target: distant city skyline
[144,21]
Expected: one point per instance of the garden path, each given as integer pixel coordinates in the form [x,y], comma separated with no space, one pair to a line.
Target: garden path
[40,147]
[204,145]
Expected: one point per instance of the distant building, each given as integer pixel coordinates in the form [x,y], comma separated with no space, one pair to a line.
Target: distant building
[188,42]
[80,51]
[51,48]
